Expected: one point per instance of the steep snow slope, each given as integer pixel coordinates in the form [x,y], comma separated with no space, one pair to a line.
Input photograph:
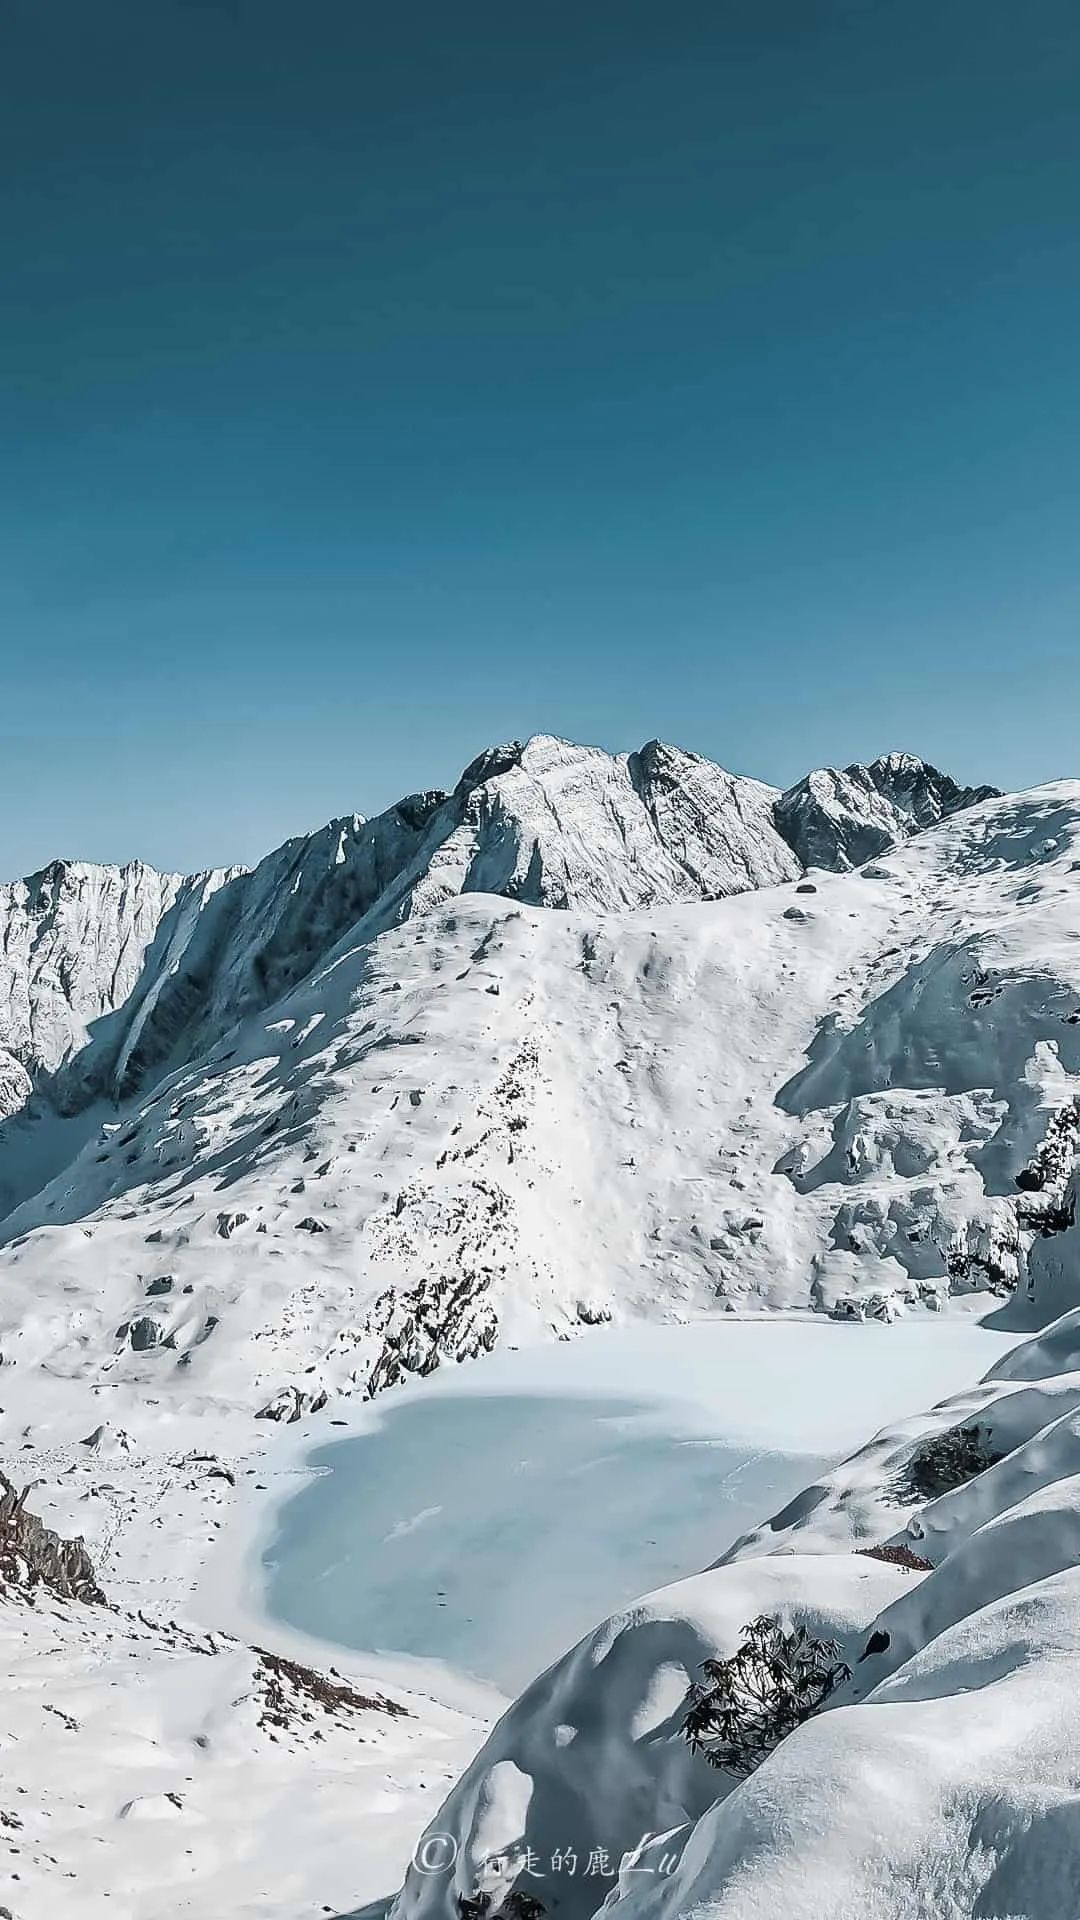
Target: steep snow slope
[501,1123]
[839,819]
[106,972]
[73,941]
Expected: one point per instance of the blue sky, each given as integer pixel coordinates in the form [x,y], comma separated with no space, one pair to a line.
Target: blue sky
[379,382]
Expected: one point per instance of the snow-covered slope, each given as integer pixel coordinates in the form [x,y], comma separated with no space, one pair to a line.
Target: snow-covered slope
[499,1122]
[73,944]
[106,972]
[290,1136]
[939,1778]
[152,1764]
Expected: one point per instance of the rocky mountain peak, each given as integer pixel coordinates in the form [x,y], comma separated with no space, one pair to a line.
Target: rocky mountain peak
[489,764]
[107,973]
[839,818]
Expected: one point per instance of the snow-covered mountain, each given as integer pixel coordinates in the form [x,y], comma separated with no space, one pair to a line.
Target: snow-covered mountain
[838,820]
[109,973]
[278,1140]
[494,1120]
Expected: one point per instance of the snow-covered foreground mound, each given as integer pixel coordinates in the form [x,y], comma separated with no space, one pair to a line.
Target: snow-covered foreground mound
[937,1780]
[487,1516]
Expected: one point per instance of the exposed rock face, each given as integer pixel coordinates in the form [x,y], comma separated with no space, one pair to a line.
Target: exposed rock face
[839,819]
[16,1085]
[290,1405]
[31,1555]
[289,1693]
[565,826]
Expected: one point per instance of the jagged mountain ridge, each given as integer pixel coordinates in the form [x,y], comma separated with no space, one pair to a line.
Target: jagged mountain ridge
[839,819]
[108,973]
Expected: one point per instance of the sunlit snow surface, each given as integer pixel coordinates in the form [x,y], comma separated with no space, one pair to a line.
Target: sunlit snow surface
[495,1121]
[488,1517]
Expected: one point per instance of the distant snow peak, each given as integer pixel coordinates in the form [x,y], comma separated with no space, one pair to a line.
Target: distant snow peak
[838,819]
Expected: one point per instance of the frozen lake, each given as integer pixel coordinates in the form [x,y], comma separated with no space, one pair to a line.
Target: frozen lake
[491,1515]
[447,1531]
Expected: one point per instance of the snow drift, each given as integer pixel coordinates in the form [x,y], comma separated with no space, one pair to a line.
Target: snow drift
[939,1778]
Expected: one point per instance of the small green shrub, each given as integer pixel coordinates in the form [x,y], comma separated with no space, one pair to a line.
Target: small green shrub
[948,1460]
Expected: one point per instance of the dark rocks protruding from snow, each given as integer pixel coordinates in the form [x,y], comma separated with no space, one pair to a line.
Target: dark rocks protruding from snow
[290,1693]
[837,819]
[1050,1168]
[144,1333]
[290,1405]
[417,809]
[32,1555]
[593,1313]
[489,765]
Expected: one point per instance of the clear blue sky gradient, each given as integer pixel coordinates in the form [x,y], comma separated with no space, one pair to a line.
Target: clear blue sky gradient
[380,381]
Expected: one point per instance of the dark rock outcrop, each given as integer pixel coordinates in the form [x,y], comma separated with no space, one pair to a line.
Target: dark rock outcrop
[32,1555]
[837,819]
